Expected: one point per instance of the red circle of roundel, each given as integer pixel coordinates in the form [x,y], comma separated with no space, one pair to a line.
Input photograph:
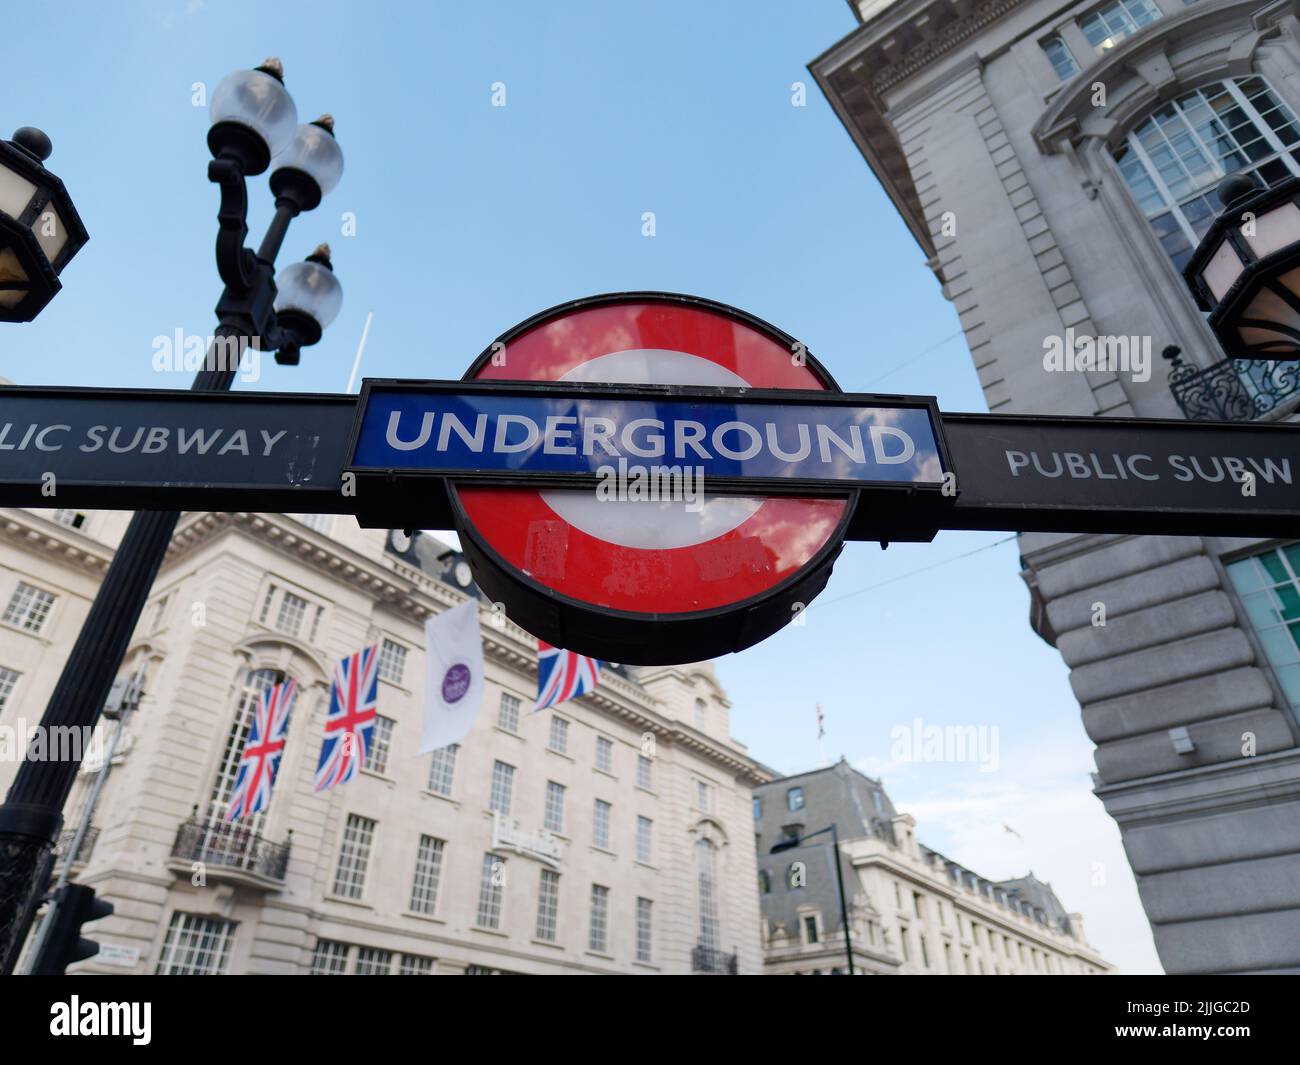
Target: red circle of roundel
[639,560]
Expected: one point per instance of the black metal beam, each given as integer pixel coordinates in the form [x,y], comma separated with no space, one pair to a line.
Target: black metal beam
[1012,472]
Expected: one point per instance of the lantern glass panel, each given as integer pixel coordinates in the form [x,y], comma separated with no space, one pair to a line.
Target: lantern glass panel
[1222,270]
[1274,229]
[1283,338]
[51,233]
[11,272]
[16,192]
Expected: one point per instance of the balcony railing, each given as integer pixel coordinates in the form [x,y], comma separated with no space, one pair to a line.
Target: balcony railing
[711,960]
[232,846]
[87,844]
[1234,390]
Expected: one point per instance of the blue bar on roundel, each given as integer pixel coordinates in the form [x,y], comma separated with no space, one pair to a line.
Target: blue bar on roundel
[446,432]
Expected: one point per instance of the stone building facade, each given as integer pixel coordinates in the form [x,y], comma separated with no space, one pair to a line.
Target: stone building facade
[1057,162]
[610,835]
[911,910]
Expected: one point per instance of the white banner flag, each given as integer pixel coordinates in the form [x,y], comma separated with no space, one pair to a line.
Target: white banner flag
[453,681]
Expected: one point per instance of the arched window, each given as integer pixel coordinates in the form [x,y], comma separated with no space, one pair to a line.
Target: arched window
[1173,160]
[706,866]
[235,839]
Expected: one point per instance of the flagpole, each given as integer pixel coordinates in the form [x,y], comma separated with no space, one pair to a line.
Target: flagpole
[821,736]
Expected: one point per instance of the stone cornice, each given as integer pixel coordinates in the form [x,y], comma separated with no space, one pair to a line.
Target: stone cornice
[38,534]
[949,36]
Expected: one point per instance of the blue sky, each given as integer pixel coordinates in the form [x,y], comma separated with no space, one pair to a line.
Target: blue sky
[470,218]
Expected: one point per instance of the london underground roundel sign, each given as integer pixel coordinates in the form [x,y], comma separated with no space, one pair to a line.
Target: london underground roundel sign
[650,581]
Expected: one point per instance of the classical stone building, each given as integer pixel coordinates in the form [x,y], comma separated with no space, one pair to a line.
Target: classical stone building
[610,835]
[911,910]
[1057,162]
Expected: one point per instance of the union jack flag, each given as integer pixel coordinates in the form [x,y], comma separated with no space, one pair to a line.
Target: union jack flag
[563,675]
[350,726]
[262,750]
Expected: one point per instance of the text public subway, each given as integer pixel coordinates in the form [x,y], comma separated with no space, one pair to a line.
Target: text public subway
[141,439]
[1085,465]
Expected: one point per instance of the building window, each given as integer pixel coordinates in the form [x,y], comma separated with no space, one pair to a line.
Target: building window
[415,965]
[29,607]
[159,612]
[69,519]
[644,908]
[810,929]
[330,958]
[503,786]
[703,797]
[699,714]
[228,768]
[559,737]
[293,609]
[320,523]
[1269,586]
[794,799]
[293,613]
[442,769]
[925,953]
[1113,22]
[600,824]
[195,946]
[489,891]
[1173,160]
[392,661]
[381,740]
[706,877]
[758,808]
[553,813]
[371,961]
[764,882]
[508,712]
[644,829]
[1061,58]
[916,904]
[428,871]
[598,939]
[604,754]
[354,857]
[548,905]
[8,681]
[644,773]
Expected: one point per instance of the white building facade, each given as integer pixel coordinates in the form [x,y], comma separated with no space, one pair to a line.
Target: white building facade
[1057,163]
[610,835]
[911,911]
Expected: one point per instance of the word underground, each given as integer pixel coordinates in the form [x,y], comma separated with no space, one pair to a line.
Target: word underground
[683,439]
[146,439]
[1213,468]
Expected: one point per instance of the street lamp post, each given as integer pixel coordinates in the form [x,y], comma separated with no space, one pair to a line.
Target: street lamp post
[254,125]
[40,230]
[799,841]
[1246,270]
